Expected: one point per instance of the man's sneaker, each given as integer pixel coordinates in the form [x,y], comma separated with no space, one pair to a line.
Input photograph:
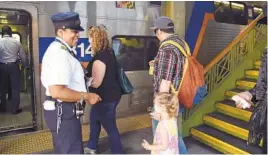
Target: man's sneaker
[89,151]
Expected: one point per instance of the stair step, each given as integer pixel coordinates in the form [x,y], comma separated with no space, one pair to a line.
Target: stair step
[228,107]
[257,67]
[232,92]
[227,124]
[252,73]
[257,62]
[222,142]
[246,83]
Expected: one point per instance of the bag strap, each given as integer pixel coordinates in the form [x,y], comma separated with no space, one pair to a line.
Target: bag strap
[185,53]
[113,53]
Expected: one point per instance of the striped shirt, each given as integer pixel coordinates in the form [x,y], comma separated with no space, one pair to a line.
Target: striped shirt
[169,63]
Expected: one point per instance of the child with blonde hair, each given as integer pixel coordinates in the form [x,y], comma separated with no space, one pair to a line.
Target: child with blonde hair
[166,134]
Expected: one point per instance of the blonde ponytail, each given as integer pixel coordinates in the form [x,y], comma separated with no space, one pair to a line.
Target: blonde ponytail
[170,101]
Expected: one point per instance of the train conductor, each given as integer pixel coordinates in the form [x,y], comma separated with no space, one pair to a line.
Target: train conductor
[63,78]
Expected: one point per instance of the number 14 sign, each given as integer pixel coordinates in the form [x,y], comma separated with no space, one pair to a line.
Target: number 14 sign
[83,51]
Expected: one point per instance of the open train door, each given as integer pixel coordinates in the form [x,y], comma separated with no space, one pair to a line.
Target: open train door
[22,30]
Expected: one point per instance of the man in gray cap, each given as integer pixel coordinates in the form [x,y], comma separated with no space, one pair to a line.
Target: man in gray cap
[168,64]
[63,78]
[10,51]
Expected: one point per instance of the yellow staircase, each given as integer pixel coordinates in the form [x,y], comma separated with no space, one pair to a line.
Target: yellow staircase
[226,129]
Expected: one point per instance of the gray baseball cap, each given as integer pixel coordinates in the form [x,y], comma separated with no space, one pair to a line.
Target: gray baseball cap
[162,23]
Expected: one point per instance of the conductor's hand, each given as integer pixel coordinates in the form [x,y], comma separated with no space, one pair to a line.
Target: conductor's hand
[92,98]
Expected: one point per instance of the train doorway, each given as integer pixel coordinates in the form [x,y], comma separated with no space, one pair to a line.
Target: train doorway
[21,24]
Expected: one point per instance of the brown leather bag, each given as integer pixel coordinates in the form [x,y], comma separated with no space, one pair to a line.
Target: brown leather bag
[192,78]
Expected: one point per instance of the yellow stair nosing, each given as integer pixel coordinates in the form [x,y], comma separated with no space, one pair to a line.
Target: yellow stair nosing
[257,67]
[252,72]
[245,83]
[257,62]
[212,141]
[226,127]
[230,110]
[230,93]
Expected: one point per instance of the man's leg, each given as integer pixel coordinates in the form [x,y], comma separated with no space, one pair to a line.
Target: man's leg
[3,87]
[182,146]
[154,123]
[15,86]
[9,90]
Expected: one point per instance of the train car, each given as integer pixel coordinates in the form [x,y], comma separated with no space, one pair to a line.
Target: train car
[132,40]
[31,25]
[214,24]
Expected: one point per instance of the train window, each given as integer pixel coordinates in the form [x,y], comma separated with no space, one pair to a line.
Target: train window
[231,12]
[256,11]
[134,52]
[222,10]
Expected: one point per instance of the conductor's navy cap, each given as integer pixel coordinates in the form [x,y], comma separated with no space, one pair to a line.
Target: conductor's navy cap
[67,20]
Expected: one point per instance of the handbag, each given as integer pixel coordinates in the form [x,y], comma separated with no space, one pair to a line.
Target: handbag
[257,122]
[125,84]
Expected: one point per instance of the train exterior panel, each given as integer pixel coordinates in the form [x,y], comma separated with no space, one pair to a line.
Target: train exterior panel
[41,33]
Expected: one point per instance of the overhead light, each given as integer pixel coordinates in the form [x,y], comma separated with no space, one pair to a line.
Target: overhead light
[4,21]
[224,2]
[257,9]
[3,16]
[238,5]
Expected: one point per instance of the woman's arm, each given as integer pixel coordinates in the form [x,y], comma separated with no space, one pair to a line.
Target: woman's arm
[98,73]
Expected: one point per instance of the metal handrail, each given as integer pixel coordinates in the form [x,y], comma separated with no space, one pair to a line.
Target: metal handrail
[228,59]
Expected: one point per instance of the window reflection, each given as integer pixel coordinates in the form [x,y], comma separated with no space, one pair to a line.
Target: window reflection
[134,53]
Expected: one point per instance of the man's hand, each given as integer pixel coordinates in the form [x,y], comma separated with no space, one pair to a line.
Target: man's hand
[92,98]
[145,145]
[151,63]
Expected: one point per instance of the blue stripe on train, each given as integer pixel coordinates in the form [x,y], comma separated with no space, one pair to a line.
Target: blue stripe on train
[81,48]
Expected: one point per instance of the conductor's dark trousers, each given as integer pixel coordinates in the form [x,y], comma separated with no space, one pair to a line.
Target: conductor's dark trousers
[69,138]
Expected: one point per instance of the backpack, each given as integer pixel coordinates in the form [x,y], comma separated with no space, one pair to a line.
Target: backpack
[192,88]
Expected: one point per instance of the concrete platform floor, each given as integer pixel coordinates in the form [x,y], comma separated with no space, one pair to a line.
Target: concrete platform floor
[132,144]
